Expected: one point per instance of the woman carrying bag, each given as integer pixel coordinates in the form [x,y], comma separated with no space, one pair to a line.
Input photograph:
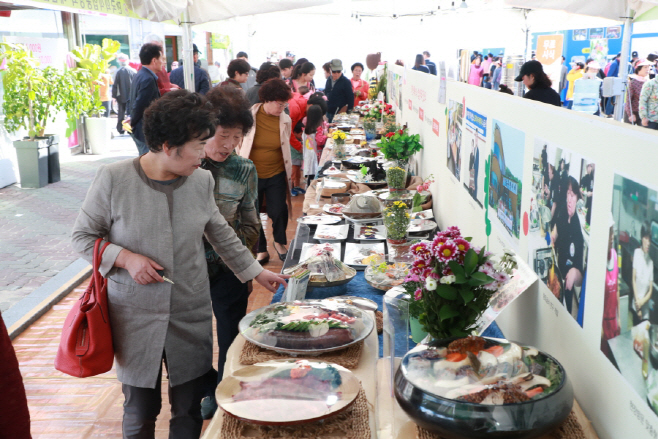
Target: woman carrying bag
[155,210]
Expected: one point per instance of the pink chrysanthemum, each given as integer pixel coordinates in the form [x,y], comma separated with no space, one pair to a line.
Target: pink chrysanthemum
[418,294]
[462,245]
[411,278]
[501,277]
[447,252]
[421,250]
[447,271]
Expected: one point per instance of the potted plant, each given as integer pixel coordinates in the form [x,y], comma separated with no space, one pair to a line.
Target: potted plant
[398,146]
[339,144]
[32,97]
[92,61]
[396,220]
[451,283]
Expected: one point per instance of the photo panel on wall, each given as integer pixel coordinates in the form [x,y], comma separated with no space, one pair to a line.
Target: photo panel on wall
[562,191]
[474,140]
[455,115]
[505,180]
[630,315]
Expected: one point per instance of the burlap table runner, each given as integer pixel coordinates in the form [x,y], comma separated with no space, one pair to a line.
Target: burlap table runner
[351,424]
[570,429]
[348,357]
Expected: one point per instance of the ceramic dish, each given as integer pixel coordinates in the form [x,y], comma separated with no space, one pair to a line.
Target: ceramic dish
[332,171]
[355,179]
[425,214]
[376,192]
[326,271]
[331,233]
[482,388]
[400,195]
[333,209]
[319,219]
[309,250]
[421,226]
[369,233]
[308,327]
[287,392]
[362,255]
[376,220]
[360,302]
[392,276]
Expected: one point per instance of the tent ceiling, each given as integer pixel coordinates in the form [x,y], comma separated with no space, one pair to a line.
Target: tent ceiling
[202,11]
[613,9]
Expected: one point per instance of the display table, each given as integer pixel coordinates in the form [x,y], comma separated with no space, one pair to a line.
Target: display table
[393,422]
[365,372]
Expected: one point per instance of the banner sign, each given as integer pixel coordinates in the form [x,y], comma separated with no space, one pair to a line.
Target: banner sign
[219,41]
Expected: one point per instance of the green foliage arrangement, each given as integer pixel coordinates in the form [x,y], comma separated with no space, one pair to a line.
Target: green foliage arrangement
[396,177]
[399,145]
[396,220]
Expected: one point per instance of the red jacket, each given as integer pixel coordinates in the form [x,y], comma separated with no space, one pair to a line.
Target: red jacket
[297,107]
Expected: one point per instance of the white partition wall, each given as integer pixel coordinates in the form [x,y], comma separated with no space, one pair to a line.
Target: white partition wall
[624,193]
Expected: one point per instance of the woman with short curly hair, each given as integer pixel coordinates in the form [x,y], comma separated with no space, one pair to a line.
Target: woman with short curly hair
[155,210]
[268,146]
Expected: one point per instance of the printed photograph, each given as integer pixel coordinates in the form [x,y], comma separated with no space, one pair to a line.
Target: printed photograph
[613,32]
[560,213]
[505,179]
[455,114]
[597,32]
[579,34]
[475,146]
[629,331]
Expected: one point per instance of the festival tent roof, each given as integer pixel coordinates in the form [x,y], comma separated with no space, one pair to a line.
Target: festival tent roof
[613,9]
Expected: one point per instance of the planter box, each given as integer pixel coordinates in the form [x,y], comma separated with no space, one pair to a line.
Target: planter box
[99,134]
[36,166]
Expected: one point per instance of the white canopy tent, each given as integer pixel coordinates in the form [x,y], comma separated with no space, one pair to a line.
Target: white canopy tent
[623,10]
[190,12]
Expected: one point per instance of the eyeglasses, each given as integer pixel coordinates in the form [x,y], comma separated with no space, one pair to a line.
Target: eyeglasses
[282,106]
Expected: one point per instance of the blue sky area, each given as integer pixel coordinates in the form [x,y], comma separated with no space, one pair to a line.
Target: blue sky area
[513,146]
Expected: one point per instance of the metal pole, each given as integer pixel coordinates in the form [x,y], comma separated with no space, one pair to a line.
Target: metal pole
[188,58]
[623,62]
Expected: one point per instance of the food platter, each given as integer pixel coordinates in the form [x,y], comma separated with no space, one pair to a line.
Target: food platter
[369,233]
[326,270]
[421,226]
[331,233]
[425,214]
[360,302]
[306,327]
[332,170]
[309,250]
[480,388]
[319,219]
[393,276]
[361,255]
[400,195]
[287,392]
[354,178]
[333,209]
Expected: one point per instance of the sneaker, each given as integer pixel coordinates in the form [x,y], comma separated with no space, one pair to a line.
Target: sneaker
[294,192]
[299,190]
[208,407]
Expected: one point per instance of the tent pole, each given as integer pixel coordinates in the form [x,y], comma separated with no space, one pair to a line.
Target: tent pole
[623,63]
[188,58]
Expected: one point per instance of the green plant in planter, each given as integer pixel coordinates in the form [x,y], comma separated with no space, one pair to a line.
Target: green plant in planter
[33,96]
[400,145]
[92,61]
[396,220]
[396,177]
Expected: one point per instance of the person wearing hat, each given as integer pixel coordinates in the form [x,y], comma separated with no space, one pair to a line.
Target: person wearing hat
[340,96]
[631,64]
[648,106]
[201,78]
[636,81]
[539,85]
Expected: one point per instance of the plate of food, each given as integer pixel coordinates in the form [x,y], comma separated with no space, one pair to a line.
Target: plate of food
[360,178]
[425,214]
[398,195]
[360,302]
[421,226]
[326,270]
[287,392]
[319,219]
[331,233]
[306,326]
[310,250]
[332,170]
[334,209]
[376,192]
[369,232]
[361,255]
[386,276]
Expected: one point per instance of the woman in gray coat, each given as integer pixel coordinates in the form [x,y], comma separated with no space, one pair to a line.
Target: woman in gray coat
[155,210]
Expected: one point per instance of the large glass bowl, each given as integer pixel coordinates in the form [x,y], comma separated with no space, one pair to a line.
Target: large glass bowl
[269,327]
[422,396]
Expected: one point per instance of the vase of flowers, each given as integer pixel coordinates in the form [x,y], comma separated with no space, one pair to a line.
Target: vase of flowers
[422,192]
[370,128]
[396,220]
[339,144]
[396,176]
[399,145]
[451,283]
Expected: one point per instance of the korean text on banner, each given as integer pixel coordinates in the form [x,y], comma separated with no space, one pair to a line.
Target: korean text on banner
[549,54]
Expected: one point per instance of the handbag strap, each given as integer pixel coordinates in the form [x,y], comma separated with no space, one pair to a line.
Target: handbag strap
[99,281]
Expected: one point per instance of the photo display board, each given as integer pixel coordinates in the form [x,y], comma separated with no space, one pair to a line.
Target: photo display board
[576,197]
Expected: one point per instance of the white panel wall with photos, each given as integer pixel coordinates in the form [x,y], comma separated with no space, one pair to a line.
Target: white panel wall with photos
[576,197]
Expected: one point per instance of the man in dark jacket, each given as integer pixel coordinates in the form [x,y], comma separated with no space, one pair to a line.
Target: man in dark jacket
[144,90]
[430,65]
[121,88]
[340,96]
[201,81]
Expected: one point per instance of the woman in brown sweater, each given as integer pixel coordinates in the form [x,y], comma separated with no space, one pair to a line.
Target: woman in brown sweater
[268,146]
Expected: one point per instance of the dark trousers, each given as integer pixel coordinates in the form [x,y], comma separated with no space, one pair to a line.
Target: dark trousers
[142,148]
[274,191]
[652,125]
[121,115]
[229,304]
[142,406]
[108,108]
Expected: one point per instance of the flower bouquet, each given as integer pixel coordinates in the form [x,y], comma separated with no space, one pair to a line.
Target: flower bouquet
[400,145]
[396,220]
[396,177]
[339,144]
[451,282]
[420,196]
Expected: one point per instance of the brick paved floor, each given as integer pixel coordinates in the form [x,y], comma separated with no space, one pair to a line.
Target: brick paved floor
[35,224]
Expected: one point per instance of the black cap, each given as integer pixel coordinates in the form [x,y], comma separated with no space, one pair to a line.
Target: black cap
[529,68]
[195,49]
[634,54]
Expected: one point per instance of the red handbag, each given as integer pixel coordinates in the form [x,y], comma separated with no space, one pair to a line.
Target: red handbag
[85,348]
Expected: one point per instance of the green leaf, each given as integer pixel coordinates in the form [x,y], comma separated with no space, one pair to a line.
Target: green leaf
[446,291]
[456,268]
[31,95]
[467,294]
[470,261]
[478,279]
[447,312]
